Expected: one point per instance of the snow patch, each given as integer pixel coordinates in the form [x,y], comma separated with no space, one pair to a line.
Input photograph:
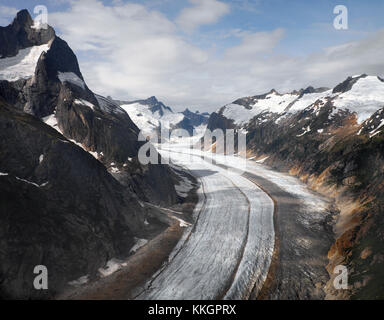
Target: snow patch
[115,170]
[308,99]
[92,153]
[376,131]
[51,120]
[111,267]
[365,98]
[84,103]
[71,78]
[306,130]
[262,160]
[32,183]
[108,105]
[273,103]
[79,282]
[148,122]
[23,65]
[183,224]
[184,186]
[139,243]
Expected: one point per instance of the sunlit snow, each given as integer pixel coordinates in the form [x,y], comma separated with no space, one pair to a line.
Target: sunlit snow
[365,98]
[23,65]
[71,78]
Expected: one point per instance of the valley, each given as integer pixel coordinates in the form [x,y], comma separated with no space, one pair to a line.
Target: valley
[272,221]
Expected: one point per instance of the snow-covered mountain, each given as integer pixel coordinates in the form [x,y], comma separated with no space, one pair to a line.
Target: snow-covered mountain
[362,95]
[71,185]
[333,139]
[151,116]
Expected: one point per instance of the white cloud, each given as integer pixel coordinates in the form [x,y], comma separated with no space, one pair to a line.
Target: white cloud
[203,12]
[130,52]
[247,5]
[6,15]
[255,43]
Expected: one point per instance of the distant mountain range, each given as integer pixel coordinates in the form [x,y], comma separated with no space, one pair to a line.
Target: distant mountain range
[333,139]
[151,116]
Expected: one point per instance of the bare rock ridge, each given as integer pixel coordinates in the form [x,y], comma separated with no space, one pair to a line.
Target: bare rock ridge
[20,34]
[71,183]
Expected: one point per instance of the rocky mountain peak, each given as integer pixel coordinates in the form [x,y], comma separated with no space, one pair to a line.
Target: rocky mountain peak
[347,84]
[156,105]
[20,34]
[152,100]
[23,18]
[310,89]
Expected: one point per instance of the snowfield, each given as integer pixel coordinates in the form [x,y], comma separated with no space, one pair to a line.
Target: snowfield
[149,122]
[365,98]
[142,117]
[23,65]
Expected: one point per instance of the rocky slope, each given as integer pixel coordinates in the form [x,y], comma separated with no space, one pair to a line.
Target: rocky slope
[151,116]
[333,140]
[72,185]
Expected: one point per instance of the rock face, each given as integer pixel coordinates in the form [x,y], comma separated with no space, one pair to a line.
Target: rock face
[59,208]
[21,34]
[333,140]
[196,119]
[57,93]
[70,179]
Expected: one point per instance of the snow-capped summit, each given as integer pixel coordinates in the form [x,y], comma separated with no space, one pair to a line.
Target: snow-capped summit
[362,95]
[21,46]
[151,115]
[20,34]
[156,106]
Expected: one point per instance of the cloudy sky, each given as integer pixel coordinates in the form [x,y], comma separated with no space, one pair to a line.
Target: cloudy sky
[203,54]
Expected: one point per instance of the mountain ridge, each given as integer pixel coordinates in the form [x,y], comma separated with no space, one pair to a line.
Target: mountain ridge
[151,116]
[333,141]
